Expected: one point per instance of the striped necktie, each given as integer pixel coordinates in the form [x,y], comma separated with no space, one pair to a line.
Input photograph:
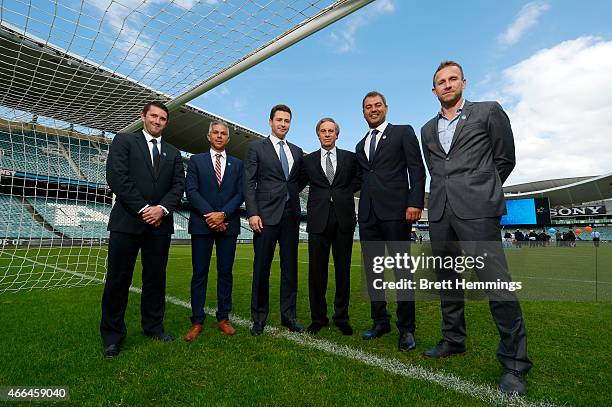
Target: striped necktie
[329,168]
[218,168]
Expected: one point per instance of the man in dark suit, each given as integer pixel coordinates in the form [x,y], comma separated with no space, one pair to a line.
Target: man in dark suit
[469,150]
[146,175]
[391,199]
[333,175]
[214,189]
[271,192]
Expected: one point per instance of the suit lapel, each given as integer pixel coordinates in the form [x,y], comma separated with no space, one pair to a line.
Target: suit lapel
[465,113]
[433,133]
[360,150]
[383,140]
[144,149]
[317,161]
[228,169]
[339,165]
[210,169]
[272,151]
[295,155]
[163,158]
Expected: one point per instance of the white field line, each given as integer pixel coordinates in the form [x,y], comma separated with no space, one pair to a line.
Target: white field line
[480,392]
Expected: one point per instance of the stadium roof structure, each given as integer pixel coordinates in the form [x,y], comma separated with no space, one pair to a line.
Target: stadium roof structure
[193,47]
[73,93]
[567,191]
[564,191]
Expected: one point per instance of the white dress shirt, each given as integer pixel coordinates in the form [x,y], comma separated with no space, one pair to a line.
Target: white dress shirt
[381,129]
[213,156]
[148,138]
[333,157]
[275,142]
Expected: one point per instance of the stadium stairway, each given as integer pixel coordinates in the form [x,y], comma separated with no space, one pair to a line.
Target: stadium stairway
[40,219]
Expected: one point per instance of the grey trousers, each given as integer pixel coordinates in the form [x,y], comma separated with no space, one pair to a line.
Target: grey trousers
[450,235]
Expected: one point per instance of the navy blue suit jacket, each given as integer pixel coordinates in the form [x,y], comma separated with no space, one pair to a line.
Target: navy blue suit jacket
[206,196]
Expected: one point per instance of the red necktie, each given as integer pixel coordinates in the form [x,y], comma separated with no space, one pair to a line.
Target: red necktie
[218,168]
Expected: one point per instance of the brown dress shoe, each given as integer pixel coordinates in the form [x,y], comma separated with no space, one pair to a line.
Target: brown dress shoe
[193,333]
[226,327]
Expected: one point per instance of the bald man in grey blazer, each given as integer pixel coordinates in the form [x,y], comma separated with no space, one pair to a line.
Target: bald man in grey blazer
[469,150]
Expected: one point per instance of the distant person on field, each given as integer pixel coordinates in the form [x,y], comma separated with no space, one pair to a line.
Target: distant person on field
[214,190]
[147,177]
[595,235]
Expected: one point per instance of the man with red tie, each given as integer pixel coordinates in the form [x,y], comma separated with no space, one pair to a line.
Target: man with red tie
[214,189]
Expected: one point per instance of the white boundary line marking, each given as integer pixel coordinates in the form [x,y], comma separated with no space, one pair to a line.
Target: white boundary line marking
[480,392]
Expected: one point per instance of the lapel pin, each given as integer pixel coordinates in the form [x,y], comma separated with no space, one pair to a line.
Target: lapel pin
[463,117]
[164,154]
[384,137]
[229,164]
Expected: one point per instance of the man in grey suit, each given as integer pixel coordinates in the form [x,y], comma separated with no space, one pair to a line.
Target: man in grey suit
[469,150]
[272,168]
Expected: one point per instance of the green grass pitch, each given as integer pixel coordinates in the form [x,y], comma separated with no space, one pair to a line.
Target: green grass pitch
[50,337]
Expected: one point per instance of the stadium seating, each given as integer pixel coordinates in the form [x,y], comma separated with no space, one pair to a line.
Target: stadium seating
[90,160]
[83,220]
[17,222]
[34,153]
[181,223]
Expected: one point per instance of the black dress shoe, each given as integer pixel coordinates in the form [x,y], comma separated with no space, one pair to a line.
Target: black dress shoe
[444,349]
[112,350]
[345,328]
[293,326]
[160,336]
[257,328]
[512,382]
[376,331]
[314,328]
[406,342]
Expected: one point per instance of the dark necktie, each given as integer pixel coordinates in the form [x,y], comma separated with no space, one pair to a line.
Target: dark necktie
[155,155]
[373,144]
[329,168]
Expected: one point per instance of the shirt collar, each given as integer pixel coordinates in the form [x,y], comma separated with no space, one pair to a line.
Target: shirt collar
[149,137]
[440,115]
[213,153]
[381,128]
[275,140]
[332,151]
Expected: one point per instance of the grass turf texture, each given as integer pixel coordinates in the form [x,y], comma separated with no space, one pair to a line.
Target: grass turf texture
[50,337]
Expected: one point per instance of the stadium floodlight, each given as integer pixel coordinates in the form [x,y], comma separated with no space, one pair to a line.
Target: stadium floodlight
[74,73]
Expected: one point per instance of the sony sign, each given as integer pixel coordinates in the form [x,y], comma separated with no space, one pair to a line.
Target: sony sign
[578,211]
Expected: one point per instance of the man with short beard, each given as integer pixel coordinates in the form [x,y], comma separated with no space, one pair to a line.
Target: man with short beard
[469,150]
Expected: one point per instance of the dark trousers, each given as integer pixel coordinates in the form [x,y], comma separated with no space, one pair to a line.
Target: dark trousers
[201,252]
[449,236]
[286,233]
[319,245]
[122,252]
[395,236]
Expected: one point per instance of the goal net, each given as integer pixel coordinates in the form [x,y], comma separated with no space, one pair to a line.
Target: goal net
[72,74]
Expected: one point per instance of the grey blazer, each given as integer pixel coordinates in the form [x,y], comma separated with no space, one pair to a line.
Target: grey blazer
[265,186]
[480,159]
